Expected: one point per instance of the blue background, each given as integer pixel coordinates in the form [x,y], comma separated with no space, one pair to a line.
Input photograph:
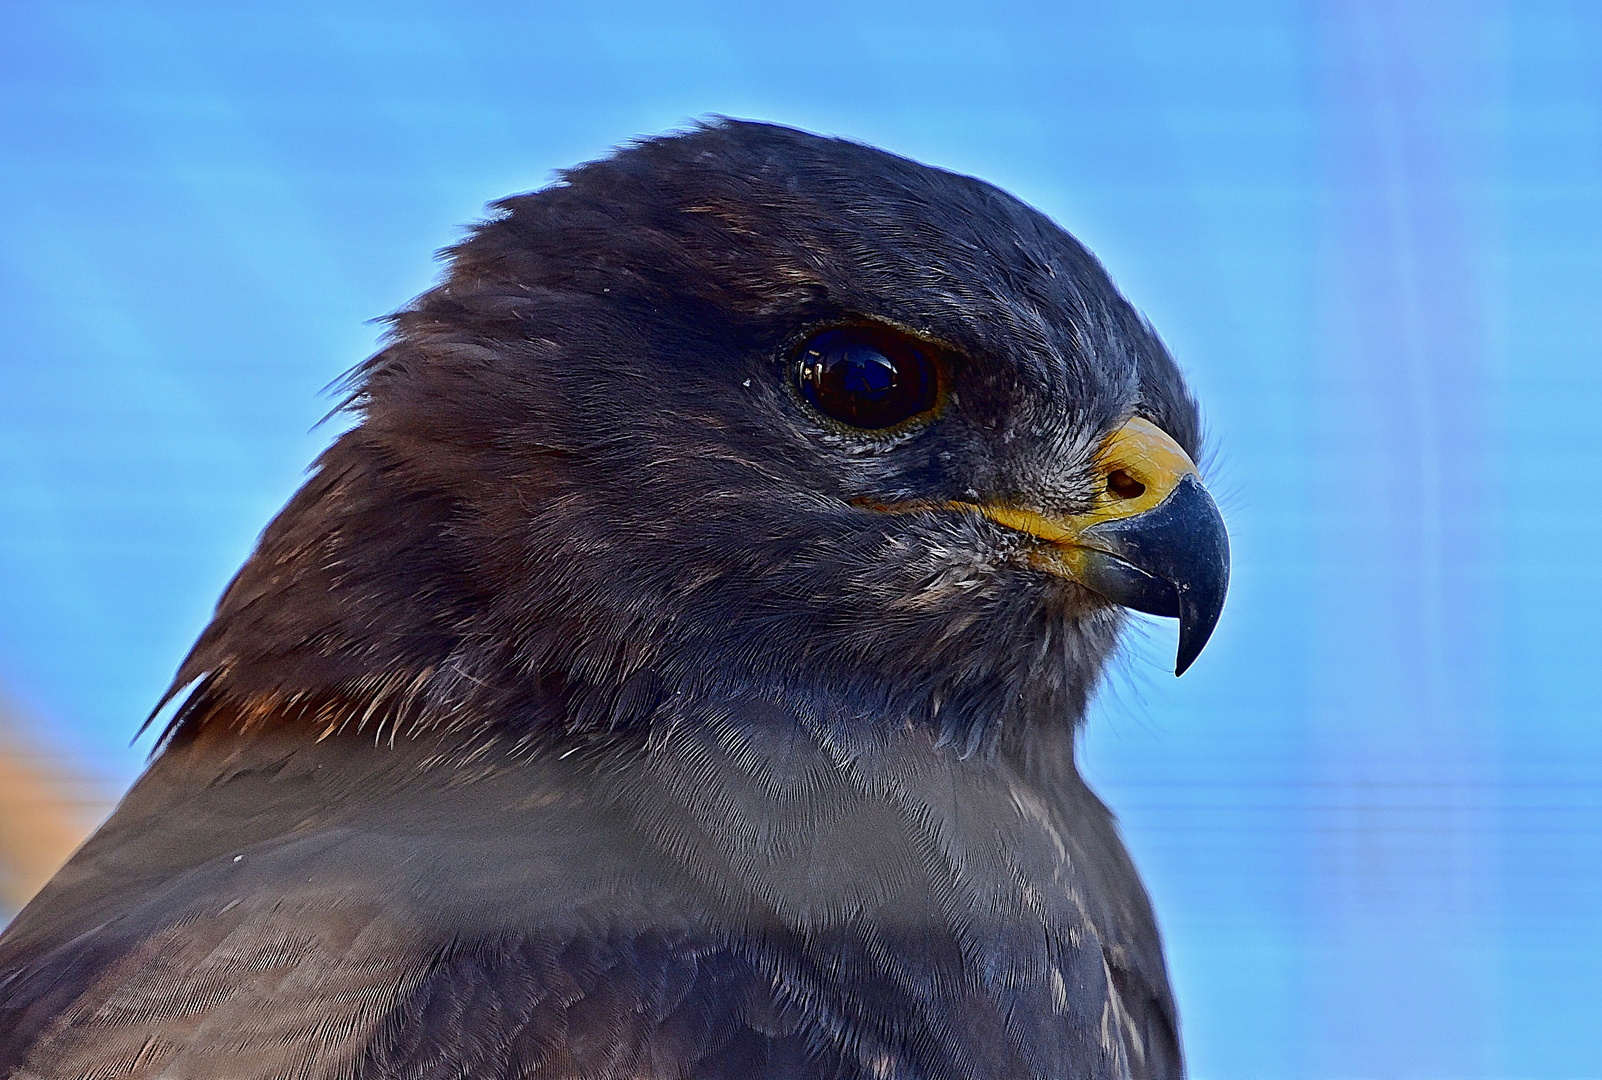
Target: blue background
[1371,230]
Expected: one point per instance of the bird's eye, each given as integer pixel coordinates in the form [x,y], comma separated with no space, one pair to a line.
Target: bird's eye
[867,376]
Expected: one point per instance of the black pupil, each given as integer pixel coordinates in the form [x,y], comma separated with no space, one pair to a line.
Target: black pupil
[867,377]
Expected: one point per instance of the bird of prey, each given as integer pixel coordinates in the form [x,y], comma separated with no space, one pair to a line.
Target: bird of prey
[674,672]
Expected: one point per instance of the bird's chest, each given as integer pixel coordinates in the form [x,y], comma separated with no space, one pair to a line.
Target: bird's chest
[907,900]
[780,820]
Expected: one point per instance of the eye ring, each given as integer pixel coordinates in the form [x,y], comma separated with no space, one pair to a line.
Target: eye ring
[867,376]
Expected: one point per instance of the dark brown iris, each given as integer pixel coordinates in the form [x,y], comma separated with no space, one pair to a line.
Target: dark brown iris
[866,376]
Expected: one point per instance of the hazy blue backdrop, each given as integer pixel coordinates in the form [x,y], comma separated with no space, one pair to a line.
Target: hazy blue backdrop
[1371,231]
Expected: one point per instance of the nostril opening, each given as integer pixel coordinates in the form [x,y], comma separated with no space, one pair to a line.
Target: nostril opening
[1124,486]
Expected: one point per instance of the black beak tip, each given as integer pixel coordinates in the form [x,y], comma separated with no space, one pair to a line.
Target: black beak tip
[1195,628]
[1186,657]
[1202,591]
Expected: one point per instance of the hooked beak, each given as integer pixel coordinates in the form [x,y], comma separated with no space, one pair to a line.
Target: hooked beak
[1154,541]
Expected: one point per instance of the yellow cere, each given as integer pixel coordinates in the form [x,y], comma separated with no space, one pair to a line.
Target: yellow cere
[1149,464]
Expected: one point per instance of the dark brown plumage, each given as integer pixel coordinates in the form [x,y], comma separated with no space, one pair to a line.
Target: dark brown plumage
[600,708]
